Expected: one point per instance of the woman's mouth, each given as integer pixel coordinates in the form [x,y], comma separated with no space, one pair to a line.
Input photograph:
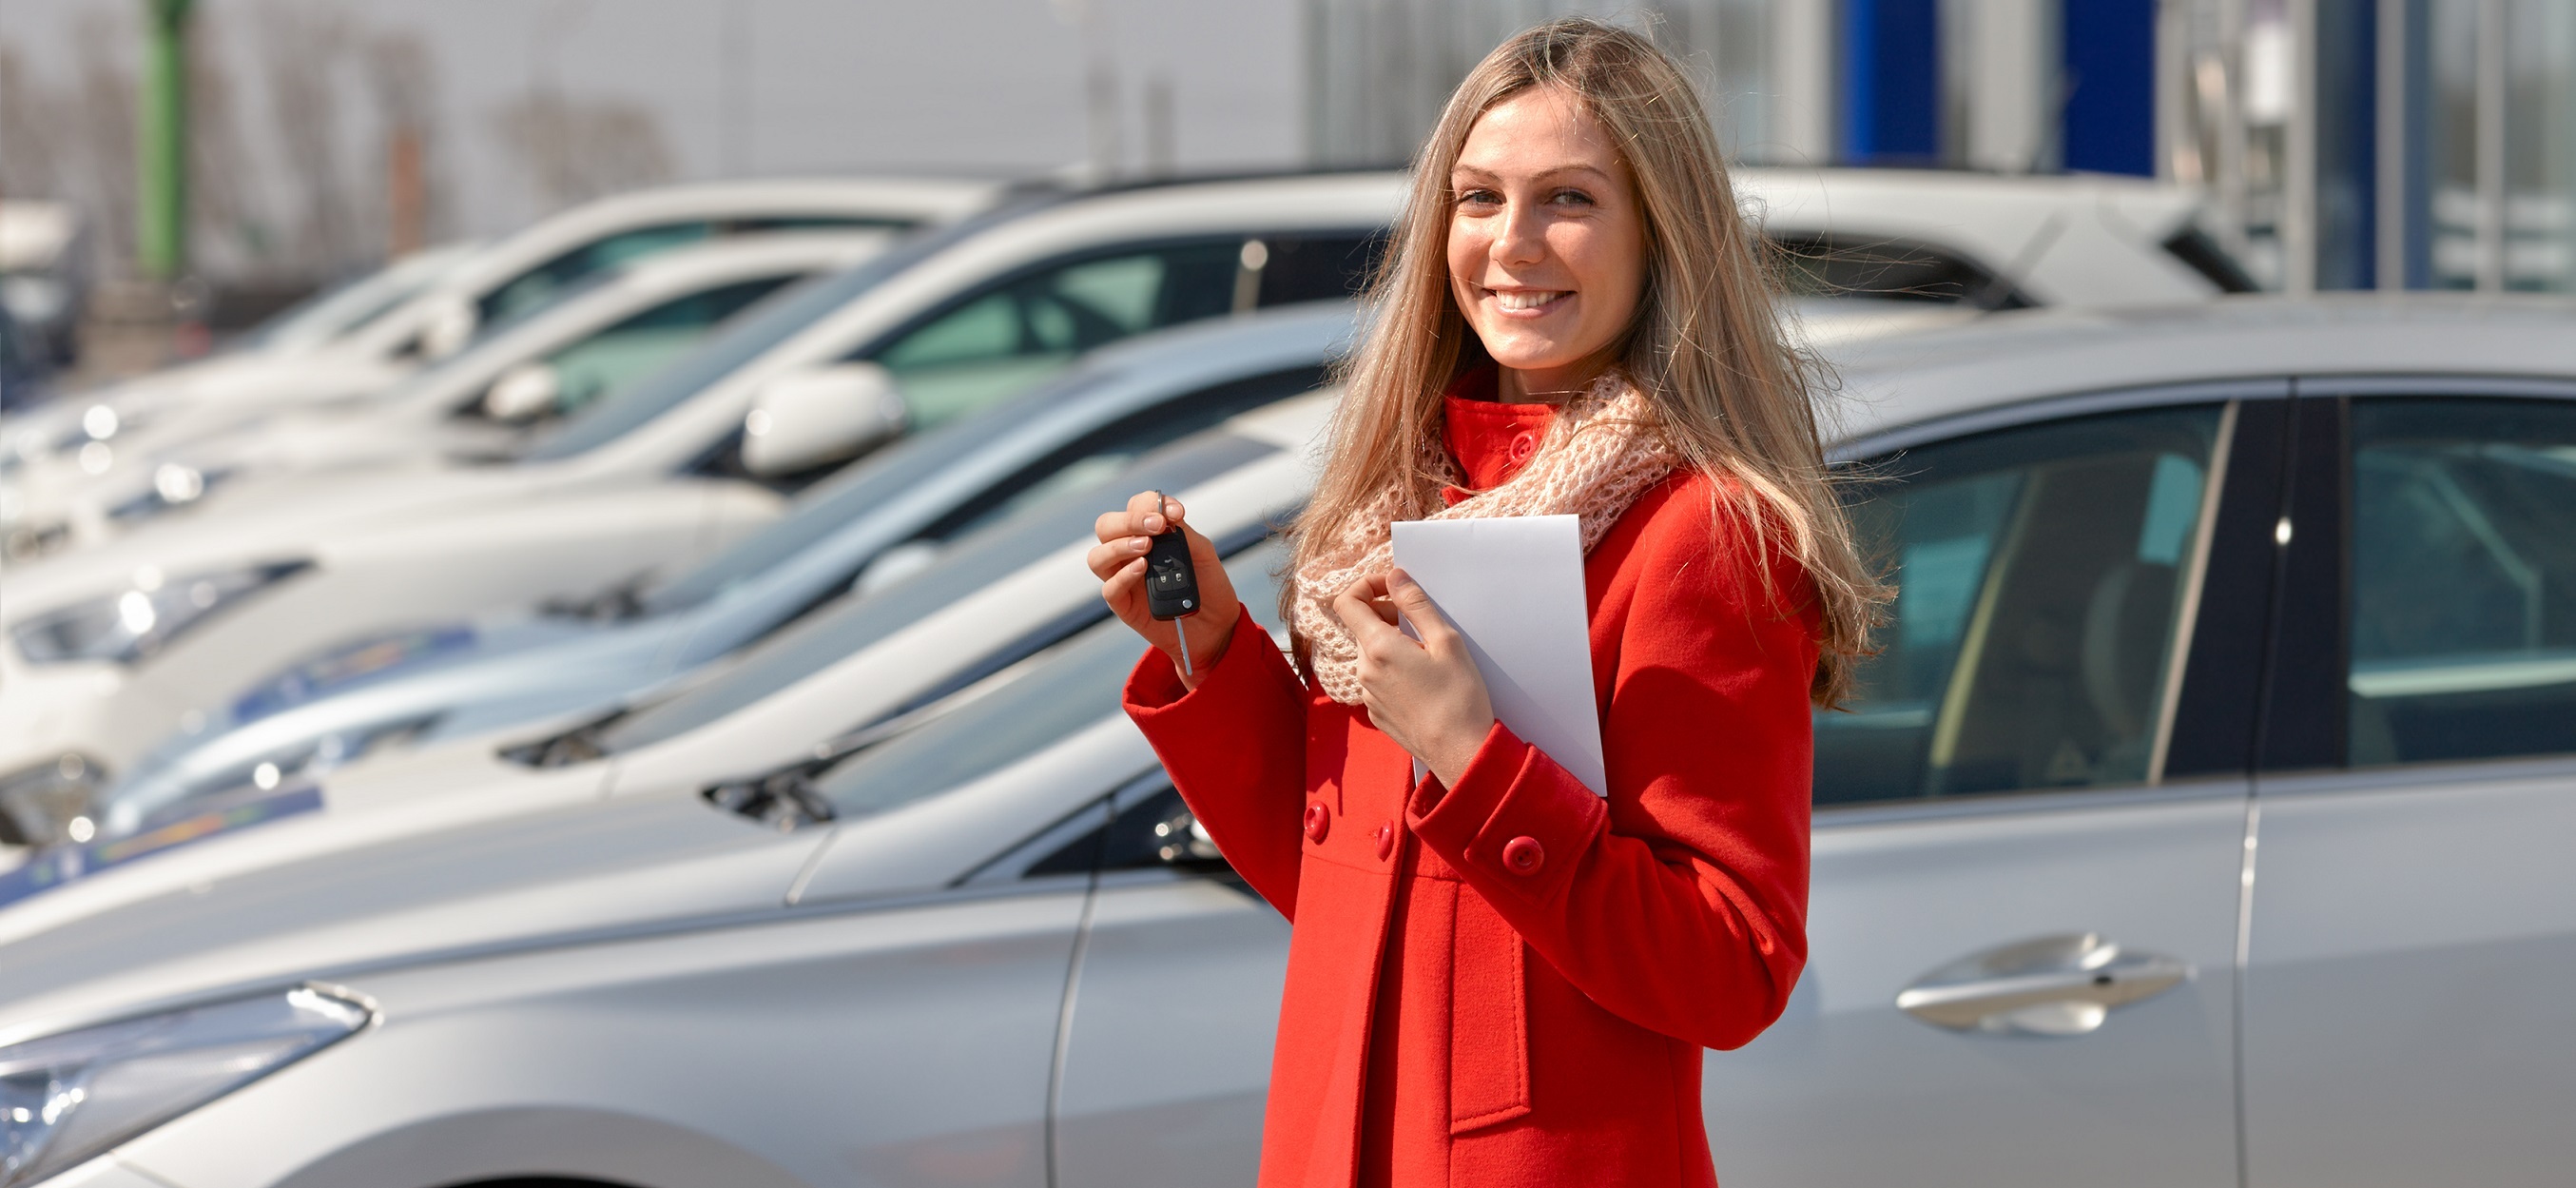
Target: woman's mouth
[1528,300]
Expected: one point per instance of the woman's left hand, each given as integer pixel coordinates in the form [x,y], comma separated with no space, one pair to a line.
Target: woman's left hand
[1425,695]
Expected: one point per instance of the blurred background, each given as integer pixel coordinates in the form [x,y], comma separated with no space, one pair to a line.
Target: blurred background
[172,170]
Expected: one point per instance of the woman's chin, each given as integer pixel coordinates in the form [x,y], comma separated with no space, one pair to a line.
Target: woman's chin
[1532,357]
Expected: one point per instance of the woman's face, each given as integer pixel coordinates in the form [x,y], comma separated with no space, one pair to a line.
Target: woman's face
[1547,249]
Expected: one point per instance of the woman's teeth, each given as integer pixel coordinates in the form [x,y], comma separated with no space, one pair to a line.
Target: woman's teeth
[1527,298]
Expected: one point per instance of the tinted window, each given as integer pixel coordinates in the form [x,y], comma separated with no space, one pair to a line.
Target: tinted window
[546,281]
[1076,686]
[1006,339]
[823,639]
[1888,270]
[647,341]
[2039,575]
[1317,268]
[2463,580]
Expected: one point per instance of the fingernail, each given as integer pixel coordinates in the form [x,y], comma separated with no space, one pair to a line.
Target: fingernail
[1153,522]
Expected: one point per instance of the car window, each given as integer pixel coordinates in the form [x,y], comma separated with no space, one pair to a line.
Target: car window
[541,284]
[2039,575]
[1003,340]
[1104,452]
[1006,339]
[545,282]
[824,638]
[2463,626]
[887,475]
[645,342]
[1075,686]
[1888,270]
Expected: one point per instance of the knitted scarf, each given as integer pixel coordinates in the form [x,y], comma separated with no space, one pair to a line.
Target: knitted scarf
[1600,454]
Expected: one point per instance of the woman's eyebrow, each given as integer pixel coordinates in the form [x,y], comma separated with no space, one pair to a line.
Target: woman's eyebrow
[1480,174]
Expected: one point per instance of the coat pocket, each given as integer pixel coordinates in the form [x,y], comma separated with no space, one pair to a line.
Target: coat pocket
[1489,1077]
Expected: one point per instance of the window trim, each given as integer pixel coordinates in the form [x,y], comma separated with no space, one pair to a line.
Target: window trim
[998,281]
[2241,472]
[2051,408]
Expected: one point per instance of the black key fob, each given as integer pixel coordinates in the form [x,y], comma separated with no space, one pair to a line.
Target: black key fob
[1171,582]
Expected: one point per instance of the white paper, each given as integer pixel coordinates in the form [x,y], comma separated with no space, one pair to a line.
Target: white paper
[1513,586]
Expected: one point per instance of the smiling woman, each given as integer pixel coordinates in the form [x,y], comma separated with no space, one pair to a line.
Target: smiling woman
[1498,976]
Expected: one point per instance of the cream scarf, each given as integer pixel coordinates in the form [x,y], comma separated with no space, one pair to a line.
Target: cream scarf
[1601,453]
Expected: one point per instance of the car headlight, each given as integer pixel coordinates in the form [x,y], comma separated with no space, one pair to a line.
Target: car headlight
[127,626]
[154,798]
[65,1098]
[174,485]
[49,803]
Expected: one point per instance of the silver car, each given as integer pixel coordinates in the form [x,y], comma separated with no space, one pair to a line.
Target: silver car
[2175,583]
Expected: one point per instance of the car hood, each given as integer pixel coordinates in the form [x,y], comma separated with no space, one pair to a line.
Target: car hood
[283,518]
[373,890]
[413,687]
[378,660]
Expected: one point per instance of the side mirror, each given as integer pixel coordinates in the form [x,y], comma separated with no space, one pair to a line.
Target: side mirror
[806,418]
[893,565]
[450,325]
[523,393]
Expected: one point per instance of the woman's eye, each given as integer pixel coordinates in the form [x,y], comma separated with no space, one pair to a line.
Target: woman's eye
[1478,198]
[1571,198]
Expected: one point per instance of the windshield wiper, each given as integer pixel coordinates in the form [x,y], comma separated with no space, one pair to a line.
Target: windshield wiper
[784,800]
[787,799]
[581,744]
[619,602]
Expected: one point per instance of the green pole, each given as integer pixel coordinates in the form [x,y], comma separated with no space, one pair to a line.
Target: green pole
[161,209]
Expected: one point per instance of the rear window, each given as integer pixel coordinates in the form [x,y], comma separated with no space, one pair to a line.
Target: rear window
[1888,270]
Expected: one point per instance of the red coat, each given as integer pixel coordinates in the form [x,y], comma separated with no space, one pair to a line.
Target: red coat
[1510,981]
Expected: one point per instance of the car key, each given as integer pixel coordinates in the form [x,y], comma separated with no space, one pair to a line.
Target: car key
[1171,582]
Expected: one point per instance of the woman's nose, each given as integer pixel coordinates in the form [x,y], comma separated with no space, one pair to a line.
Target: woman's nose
[1524,237]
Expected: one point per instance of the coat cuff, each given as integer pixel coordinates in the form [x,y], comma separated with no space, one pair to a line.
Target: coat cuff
[1154,688]
[1516,824]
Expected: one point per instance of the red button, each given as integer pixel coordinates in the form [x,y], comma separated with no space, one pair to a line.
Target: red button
[1522,446]
[1523,855]
[1385,841]
[1319,822]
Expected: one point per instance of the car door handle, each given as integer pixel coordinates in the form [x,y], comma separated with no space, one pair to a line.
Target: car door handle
[2064,984]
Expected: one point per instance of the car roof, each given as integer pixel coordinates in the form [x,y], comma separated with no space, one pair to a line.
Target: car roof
[2068,239]
[2026,355]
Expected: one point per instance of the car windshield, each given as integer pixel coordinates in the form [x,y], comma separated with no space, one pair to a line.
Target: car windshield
[835,504]
[749,336]
[806,647]
[1073,686]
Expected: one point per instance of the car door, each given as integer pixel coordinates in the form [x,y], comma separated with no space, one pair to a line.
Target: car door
[1165,1063]
[2031,776]
[2413,925]
[2030,819]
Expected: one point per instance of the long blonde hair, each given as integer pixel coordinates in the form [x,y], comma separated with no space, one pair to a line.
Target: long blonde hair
[1734,399]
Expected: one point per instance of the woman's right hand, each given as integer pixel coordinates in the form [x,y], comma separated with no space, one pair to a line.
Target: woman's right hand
[1119,562]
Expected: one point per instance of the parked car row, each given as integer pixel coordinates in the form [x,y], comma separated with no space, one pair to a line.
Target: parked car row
[612,755]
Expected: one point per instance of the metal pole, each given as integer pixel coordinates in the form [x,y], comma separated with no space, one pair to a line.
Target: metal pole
[2299,167]
[161,176]
[2391,147]
[2490,156]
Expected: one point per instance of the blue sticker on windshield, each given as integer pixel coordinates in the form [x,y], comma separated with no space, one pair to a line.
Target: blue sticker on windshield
[58,865]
